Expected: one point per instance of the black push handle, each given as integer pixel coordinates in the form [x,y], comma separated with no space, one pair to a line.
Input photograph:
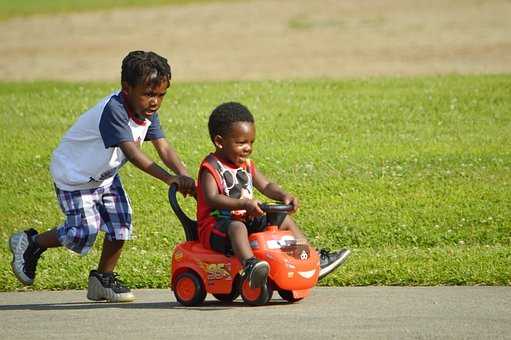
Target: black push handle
[189,225]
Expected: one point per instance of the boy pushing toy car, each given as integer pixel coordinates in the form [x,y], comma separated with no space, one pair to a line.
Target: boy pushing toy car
[85,169]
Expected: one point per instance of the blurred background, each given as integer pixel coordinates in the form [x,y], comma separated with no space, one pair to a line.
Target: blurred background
[255,39]
[390,120]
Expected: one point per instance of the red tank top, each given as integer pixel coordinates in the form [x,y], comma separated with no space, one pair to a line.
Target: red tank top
[230,181]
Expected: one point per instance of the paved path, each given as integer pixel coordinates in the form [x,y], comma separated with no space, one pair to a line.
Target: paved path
[328,313]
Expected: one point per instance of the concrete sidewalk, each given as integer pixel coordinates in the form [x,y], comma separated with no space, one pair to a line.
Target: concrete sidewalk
[328,313]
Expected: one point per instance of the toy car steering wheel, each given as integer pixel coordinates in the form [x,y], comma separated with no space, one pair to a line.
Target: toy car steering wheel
[275,207]
[275,212]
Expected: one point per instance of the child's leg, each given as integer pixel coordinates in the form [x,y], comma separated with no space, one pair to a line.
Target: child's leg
[289,224]
[77,233]
[110,255]
[48,239]
[255,270]
[115,213]
[238,234]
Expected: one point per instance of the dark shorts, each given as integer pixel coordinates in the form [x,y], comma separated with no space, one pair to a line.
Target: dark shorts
[219,240]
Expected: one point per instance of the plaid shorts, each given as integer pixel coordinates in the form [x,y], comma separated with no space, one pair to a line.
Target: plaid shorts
[89,211]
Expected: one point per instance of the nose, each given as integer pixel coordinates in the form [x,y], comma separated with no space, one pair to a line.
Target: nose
[153,100]
[248,148]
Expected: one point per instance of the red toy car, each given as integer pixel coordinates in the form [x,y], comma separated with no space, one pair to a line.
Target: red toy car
[196,271]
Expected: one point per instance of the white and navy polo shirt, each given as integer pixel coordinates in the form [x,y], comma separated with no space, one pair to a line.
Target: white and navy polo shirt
[89,155]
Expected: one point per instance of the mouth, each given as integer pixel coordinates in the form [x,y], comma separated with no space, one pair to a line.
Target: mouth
[238,161]
[307,274]
[149,112]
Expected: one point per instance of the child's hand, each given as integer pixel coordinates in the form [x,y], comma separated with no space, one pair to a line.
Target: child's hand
[185,185]
[289,199]
[252,207]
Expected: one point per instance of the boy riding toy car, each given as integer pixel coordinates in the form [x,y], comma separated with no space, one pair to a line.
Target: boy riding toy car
[196,271]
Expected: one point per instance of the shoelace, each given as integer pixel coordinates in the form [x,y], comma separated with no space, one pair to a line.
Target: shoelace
[113,281]
[249,266]
[324,253]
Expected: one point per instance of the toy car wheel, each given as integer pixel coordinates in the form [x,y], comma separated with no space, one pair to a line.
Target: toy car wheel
[233,295]
[189,289]
[288,295]
[256,296]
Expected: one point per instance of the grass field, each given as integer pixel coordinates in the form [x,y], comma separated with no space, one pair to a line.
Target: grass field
[412,174]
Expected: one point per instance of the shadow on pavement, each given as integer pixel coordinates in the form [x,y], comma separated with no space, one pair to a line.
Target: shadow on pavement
[90,305]
[207,306]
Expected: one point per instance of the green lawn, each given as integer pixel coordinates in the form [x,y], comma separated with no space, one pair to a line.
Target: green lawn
[10,8]
[412,174]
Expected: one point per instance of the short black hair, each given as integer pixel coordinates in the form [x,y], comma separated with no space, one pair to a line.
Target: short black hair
[140,67]
[224,115]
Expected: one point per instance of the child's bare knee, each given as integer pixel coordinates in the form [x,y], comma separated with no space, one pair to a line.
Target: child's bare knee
[236,228]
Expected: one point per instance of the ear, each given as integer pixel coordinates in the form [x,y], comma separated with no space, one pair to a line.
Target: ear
[168,82]
[219,141]
[125,87]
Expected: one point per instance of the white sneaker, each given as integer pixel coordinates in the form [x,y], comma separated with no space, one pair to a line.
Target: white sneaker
[25,254]
[107,286]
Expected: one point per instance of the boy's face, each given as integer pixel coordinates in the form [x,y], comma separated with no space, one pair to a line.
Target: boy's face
[237,145]
[145,99]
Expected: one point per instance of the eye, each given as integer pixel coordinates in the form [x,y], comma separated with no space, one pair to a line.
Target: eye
[151,94]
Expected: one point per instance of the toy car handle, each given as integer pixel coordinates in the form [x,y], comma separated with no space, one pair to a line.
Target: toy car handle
[189,225]
[275,207]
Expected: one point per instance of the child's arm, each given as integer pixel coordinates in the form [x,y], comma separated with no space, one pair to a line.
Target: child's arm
[170,158]
[218,201]
[273,190]
[144,163]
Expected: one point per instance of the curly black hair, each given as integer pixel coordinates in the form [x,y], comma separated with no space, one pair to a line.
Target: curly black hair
[224,115]
[140,67]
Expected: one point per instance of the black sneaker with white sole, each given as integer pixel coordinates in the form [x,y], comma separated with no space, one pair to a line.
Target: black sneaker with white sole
[107,286]
[328,261]
[25,254]
[256,272]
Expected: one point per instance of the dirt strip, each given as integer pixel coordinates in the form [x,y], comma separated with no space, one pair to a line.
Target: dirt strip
[284,39]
